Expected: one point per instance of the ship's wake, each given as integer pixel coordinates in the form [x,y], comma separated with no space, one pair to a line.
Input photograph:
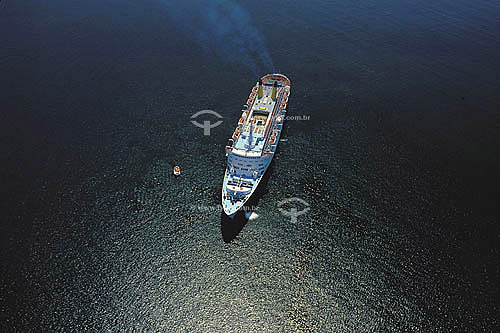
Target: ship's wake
[224,28]
[251,216]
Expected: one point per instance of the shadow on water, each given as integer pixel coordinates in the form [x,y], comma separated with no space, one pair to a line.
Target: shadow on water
[230,228]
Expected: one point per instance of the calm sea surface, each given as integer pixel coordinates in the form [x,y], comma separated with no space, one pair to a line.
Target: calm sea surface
[396,158]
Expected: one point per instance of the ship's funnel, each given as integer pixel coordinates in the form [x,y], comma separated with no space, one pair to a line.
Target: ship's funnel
[260,93]
[275,87]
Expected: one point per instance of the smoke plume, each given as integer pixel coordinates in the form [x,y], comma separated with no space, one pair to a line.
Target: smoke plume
[224,28]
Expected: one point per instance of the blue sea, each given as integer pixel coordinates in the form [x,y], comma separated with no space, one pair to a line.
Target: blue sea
[389,154]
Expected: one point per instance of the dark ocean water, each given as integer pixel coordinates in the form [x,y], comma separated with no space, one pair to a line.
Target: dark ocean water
[398,163]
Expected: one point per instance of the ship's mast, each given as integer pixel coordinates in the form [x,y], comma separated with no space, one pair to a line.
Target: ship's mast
[250,137]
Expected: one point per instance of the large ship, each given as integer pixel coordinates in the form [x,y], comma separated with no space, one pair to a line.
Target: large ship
[253,144]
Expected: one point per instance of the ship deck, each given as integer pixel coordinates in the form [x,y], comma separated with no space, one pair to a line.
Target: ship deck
[252,138]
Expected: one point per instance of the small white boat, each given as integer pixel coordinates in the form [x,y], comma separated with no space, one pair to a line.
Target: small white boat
[177,170]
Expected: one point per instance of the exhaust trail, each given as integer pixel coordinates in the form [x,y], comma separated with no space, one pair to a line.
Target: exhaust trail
[224,28]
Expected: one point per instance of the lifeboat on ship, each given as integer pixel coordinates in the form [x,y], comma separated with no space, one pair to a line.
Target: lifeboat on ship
[272,140]
[252,96]
[236,133]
